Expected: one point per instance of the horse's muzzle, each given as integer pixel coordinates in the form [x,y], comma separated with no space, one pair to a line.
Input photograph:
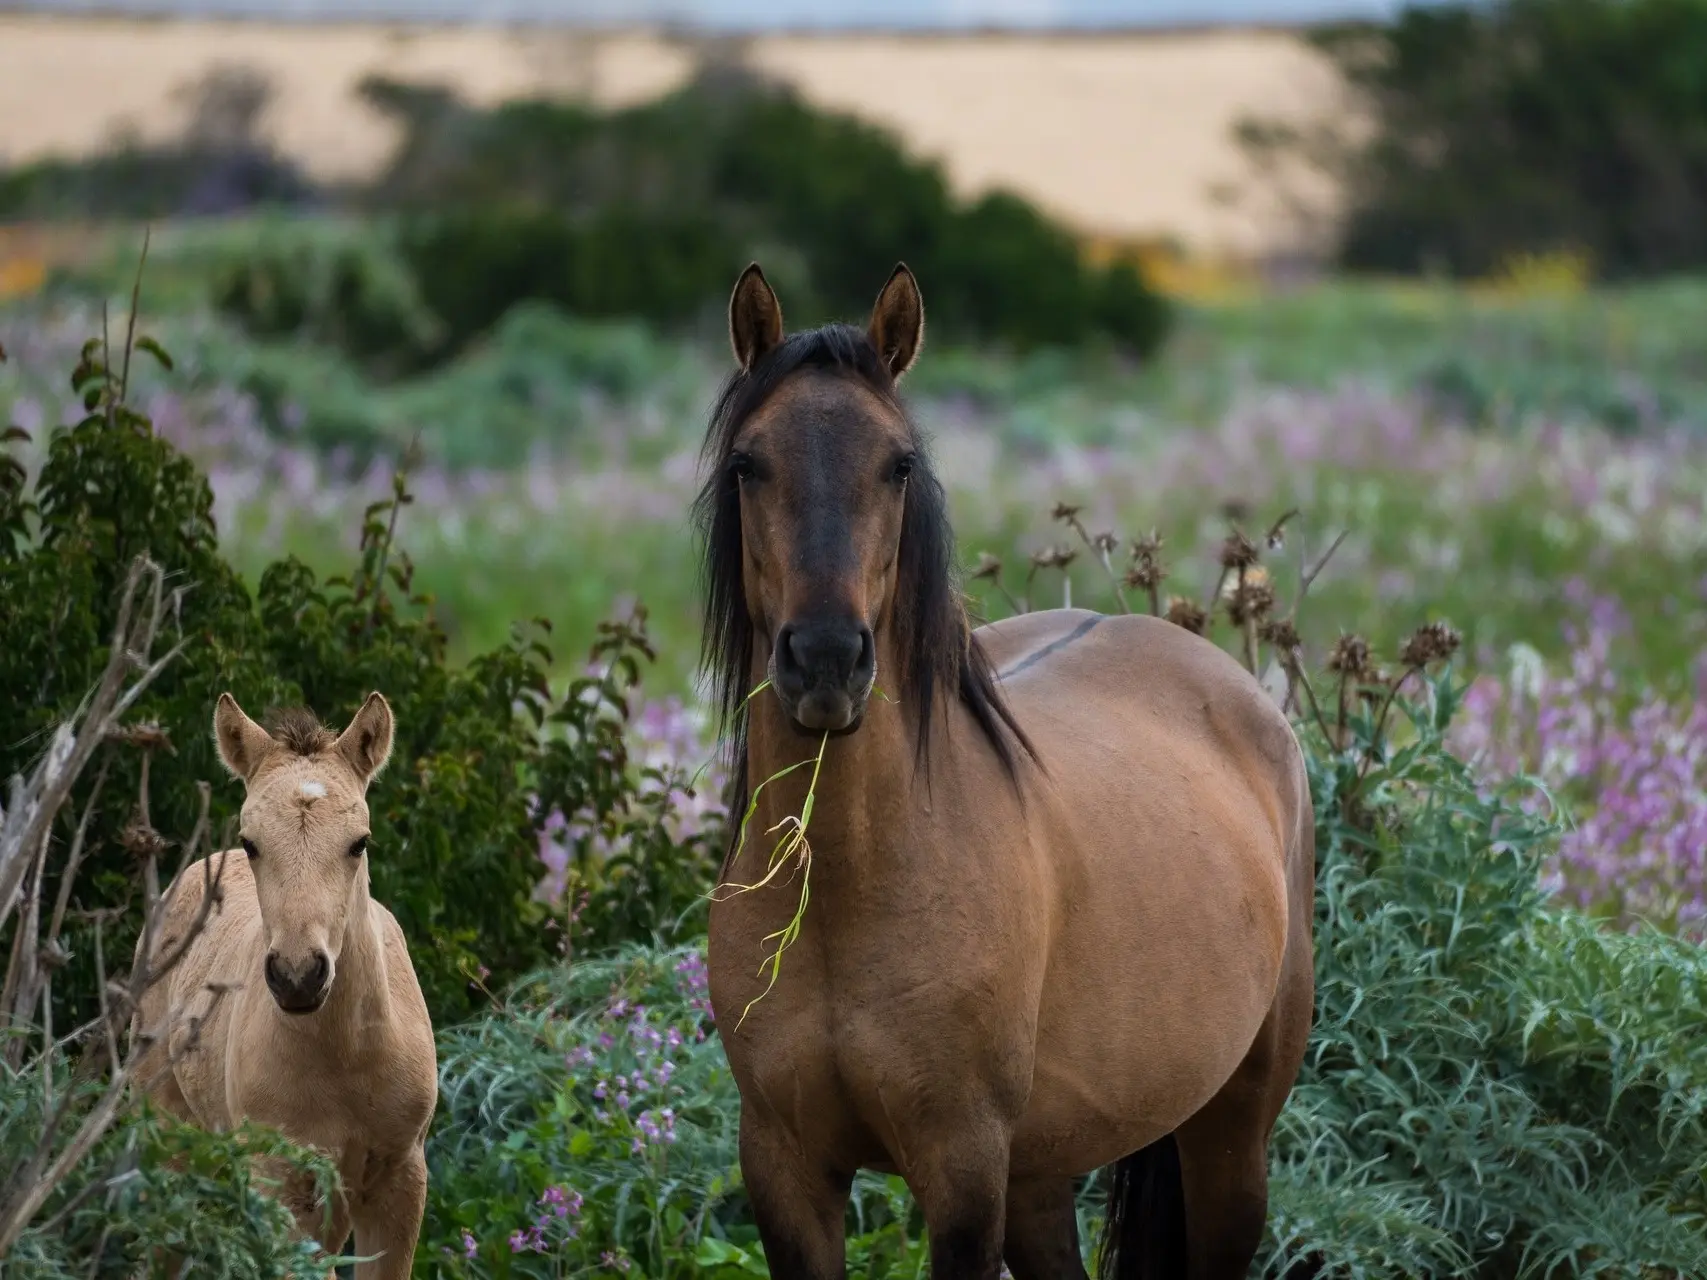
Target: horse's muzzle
[822,672]
[299,990]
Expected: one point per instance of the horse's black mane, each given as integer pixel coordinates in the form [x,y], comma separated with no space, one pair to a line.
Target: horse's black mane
[933,635]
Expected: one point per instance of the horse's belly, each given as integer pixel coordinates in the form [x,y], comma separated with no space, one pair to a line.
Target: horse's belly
[1081,1117]
[1138,1033]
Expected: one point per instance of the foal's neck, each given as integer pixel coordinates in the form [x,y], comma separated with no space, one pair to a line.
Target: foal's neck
[361,990]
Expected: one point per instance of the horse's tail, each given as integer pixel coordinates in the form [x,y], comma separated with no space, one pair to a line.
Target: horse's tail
[1143,1236]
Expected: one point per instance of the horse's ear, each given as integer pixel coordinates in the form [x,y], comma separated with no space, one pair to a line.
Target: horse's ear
[366,744]
[242,743]
[898,321]
[755,318]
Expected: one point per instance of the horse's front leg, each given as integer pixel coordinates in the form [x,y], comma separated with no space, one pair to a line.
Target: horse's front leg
[388,1219]
[959,1175]
[799,1206]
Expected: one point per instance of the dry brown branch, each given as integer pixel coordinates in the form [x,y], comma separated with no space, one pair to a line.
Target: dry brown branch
[1306,579]
[36,801]
[26,841]
[1101,547]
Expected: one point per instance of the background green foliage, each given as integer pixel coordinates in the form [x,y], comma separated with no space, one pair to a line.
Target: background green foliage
[485,748]
[1527,126]
[1495,1086]
[649,211]
[154,1183]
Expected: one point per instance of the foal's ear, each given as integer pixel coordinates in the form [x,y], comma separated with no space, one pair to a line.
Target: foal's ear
[755,318]
[242,743]
[366,744]
[898,321]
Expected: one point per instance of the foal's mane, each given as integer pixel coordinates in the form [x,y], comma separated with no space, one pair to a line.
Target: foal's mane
[299,731]
[933,636]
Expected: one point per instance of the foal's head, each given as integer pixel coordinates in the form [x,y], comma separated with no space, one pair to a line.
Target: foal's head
[305,830]
[827,539]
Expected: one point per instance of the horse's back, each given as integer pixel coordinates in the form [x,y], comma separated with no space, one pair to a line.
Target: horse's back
[1072,663]
[1172,814]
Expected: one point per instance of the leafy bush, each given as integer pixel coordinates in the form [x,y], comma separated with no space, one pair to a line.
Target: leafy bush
[153,182]
[153,1183]
[474,264]
[1530,126]
[485,751]
[1495,1086]
[647,211]
[348,291]
[591,1124]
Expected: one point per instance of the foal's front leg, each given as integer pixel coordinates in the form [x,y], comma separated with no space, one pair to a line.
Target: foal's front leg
[388,1220]
[800,1209]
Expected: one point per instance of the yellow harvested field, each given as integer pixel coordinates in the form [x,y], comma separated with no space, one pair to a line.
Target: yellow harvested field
[1124,136]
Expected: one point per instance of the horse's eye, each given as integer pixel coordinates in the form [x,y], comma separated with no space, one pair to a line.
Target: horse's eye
[741,466]
[249,848]
[359,847]
[904,468]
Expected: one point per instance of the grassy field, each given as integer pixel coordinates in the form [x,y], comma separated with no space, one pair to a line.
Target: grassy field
[1480,449]
[1480,453]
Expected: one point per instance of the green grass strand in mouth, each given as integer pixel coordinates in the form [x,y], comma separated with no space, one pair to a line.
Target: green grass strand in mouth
[791,846]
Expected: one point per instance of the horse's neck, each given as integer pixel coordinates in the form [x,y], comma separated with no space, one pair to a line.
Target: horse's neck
[861,792]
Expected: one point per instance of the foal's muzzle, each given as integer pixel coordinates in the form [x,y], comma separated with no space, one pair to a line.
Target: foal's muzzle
[299,989]
[823,671]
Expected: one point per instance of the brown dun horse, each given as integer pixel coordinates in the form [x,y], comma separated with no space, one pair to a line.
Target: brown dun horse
[1061,872]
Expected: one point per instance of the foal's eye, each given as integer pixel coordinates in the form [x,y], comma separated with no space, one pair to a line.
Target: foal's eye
[359,847]
[741,466]
[249,848]
[903,468]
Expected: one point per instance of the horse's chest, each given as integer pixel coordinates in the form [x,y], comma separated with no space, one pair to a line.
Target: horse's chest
[858,1075]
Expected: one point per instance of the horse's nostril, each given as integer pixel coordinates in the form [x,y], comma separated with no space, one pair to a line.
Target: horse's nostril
[799,650]
[824,655]
[296,990]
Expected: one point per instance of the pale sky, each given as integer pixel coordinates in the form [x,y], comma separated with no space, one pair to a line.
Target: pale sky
[767,14]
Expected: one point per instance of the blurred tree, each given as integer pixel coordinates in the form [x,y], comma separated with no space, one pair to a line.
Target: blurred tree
[1529,126]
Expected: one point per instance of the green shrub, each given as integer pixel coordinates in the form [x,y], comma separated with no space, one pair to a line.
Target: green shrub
[473,265]
[650,210]
[349,291]
[134,182]
[594,1117]
[1495,1085]
[485,751]
[1529,126]
[537,382]
[152,1183]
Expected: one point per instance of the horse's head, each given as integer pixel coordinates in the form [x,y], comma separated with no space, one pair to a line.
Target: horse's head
[305,829]
[816,494]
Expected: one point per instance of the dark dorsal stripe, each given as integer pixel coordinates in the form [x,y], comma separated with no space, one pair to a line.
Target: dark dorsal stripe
[1032,659]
